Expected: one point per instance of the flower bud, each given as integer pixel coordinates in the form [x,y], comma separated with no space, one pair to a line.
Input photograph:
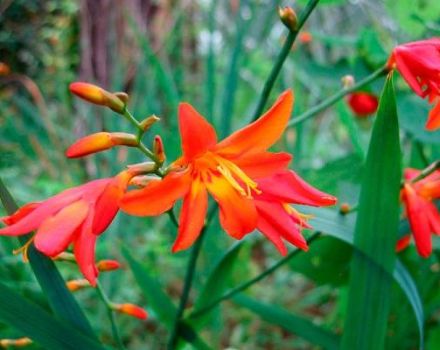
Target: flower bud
[20,342]
[347,81]
[288,17]
[344,209]
[75,285]
[96,95]
[100,141]
[108,265]
[131,310]
[159,149]
[4,69]
[123,96]
[142,168]
[305,37]
[148,122]
[142,181]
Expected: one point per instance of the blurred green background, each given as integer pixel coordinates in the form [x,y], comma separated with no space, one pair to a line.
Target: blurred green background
[215,55]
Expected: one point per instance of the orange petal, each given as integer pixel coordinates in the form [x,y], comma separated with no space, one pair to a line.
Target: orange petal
[238,215]
[433,122]
[197,134]
[262,164]
[403,243]
[55,234]
[261,134]
[192,216]
[158,196]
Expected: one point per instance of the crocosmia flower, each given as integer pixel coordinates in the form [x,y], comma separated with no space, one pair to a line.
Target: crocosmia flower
[362,104]
[229,170]
[422,213]
[419,64]
[75,216]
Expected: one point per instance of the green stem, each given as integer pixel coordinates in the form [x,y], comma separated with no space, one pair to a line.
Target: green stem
[190,270]
[336,97]
[427,171]
[268,85]
[252,281]
[111,316]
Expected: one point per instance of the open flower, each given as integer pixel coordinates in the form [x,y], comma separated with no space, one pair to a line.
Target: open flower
[77,215]
[423,215]
[362,104]
[226,169]
[419,64]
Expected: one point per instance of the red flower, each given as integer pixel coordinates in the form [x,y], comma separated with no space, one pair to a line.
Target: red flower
[77,215]
[362,104]
[423,215]
[227,170]
[419,64]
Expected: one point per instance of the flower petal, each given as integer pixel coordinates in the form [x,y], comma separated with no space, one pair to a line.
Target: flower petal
[266,228]
[192,216]
[433,122]
[433,217]
[261,134]
[20,213]
[238,215]
[197,134]
[55,233]
[158,196]
[403,243]
[263,164]
[288,187]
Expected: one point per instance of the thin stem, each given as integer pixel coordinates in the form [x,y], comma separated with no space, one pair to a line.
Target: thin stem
[336,97]
[252,281]
[173,218]
[111,316]
[268,85]
[190,270]
[127,115]
[427,171]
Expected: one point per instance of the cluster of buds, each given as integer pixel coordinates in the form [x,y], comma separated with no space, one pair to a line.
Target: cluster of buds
[17,343]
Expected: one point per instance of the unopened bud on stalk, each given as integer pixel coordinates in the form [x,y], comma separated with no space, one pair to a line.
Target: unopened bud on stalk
[75,285]
[148,122]
[131,310]
[158,149]
[108,265]
[347,81]
[142,168]
[288,17]
[344,208]
[123,96]
[20,342]
[142,180]
[98,96]
[100,141]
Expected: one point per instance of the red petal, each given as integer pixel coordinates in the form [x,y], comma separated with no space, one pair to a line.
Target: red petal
[403,243]
[20,213]
[262,164]
[433,122]
[55,234]
[433,217]
[158,196]
[262,133]
[266,228]
[192,216]
[197,134]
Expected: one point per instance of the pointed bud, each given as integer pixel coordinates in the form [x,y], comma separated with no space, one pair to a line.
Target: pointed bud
[123,96]
[98,96]
[108,265]
[148,122]
[142,168]
[20,342]
[75,285]
[131,310]
[344,209]
[347,81]
[159,149]
[4,69]
[288,17]
[100,141]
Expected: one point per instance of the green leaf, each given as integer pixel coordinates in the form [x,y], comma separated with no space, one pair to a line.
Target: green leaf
[217,281]
[292,323]
[40,326]
[59,297]
[375,233]
[160,302]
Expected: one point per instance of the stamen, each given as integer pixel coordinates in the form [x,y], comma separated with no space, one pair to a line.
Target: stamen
[227,174]
[24,249]
[292,211]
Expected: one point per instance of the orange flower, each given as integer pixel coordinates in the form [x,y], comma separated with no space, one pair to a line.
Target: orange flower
[227,170]
[423,215]
[419,64]
[77,215]
[362,104]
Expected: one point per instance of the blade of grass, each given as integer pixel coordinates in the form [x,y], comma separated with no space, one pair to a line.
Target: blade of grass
[375,233]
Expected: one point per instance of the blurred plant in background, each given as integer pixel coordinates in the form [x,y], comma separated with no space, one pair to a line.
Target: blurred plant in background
[217,56]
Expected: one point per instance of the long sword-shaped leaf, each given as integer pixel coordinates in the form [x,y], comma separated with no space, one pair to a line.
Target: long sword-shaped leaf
[60,299]
[39,325]
[375,233]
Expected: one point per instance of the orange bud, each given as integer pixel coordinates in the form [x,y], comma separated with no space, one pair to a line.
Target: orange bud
[100,141]
[132,310]
[305,37]
[20,342]
[96,95]
[4,69]
[159,149]
[148,122]
[75,285]
[288,17]
[108,265]
[344,208]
